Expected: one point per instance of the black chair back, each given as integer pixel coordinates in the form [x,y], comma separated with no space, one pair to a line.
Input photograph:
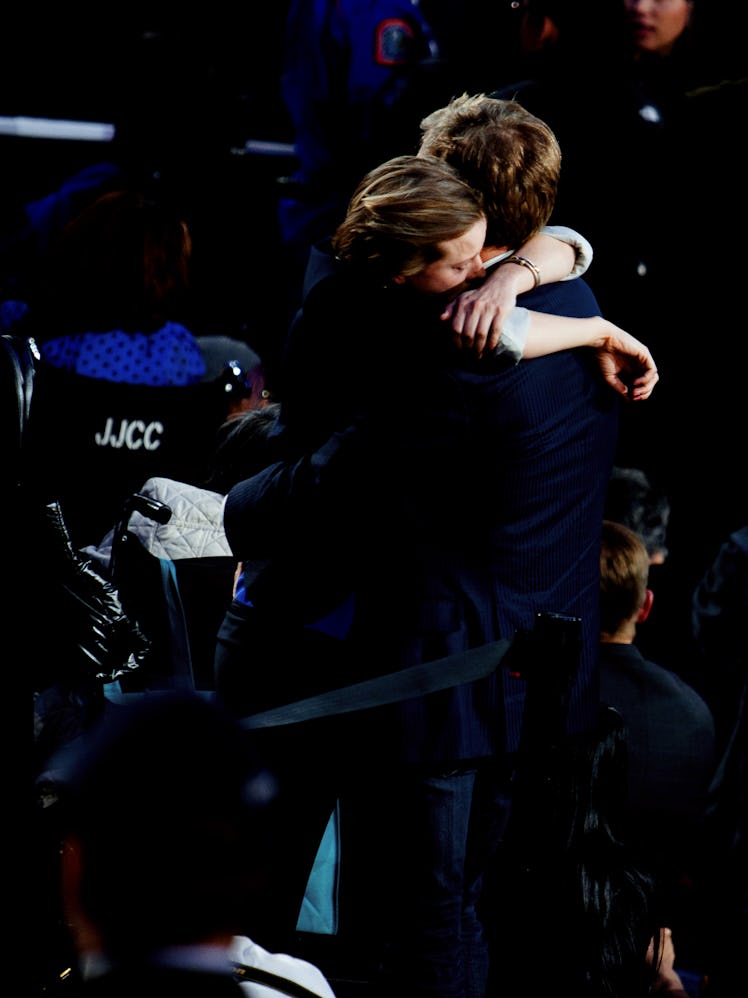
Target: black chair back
[93,443]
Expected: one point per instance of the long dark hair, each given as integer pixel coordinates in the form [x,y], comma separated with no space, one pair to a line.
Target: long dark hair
[566,885]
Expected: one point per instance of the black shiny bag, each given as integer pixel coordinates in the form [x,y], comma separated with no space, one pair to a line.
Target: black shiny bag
[98,637]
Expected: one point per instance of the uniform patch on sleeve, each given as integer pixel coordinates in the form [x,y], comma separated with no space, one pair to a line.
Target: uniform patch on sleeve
[394,42]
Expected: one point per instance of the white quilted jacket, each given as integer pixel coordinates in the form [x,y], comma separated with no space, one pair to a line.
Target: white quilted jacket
[195,529]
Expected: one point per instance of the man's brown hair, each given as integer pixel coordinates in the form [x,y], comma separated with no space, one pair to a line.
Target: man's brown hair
[506,153]
[624,573]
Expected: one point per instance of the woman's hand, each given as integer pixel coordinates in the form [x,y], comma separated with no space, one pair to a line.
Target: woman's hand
[626,364]
[668,980]
[478,315]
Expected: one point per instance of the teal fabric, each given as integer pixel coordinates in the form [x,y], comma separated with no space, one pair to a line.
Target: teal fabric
[319,908]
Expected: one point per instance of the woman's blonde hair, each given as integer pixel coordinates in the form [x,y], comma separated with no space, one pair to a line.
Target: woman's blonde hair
[401,213]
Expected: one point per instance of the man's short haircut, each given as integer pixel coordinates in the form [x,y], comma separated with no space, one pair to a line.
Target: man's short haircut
[506,153]
[624,573]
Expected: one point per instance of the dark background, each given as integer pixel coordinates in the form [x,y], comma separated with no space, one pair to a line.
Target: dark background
[186,93]
[167,78]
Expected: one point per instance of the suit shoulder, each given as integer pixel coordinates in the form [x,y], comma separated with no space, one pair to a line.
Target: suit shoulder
[572,298]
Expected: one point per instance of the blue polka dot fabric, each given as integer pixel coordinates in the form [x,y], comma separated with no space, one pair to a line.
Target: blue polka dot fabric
[11,314]
[170,356]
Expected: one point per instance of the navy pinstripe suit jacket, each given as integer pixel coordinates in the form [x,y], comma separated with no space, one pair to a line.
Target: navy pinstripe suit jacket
[476,503]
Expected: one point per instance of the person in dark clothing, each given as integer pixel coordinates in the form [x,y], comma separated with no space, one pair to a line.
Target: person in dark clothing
[427,582]
[718,622]
[670,733]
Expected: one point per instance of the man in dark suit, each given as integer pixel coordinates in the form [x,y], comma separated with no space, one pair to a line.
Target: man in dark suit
[671,730]
[476,504]
[670,734]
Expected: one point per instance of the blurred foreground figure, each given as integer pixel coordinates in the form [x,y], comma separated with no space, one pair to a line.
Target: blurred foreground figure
[166,824]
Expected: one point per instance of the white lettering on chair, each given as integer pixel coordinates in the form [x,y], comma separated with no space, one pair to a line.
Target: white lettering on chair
[150,432]
[133,442]
[133,434]
[103,439]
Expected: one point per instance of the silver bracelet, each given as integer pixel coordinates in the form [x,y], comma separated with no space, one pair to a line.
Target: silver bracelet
[524,262]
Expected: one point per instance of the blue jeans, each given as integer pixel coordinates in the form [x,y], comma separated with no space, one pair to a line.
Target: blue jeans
[428,841]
